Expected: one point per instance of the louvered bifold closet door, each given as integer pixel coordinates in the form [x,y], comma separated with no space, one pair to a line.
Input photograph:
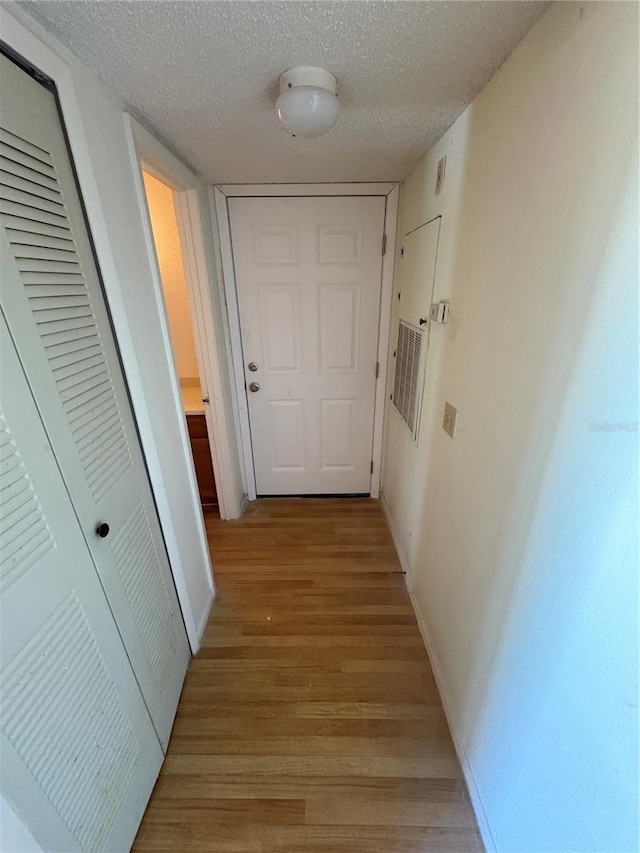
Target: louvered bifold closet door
[53,302]
[79,754]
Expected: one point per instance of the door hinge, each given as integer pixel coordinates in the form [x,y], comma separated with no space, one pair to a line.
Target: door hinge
[384,244]
[372,466]
[377,369]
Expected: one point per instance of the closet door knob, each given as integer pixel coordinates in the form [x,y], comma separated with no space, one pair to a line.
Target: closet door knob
[254,387]
[102,529]
[253,366]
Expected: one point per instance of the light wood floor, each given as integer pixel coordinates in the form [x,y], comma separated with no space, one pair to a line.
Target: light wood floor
[310,720]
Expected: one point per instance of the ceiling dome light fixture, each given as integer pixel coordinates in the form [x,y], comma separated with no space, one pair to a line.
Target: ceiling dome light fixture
[307,104]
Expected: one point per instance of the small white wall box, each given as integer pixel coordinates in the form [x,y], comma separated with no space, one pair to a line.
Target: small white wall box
[439,312]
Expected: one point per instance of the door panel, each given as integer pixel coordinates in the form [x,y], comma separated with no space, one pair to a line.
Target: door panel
[286,431]
[338,433]
[308,273]
[339,321]
[280,327]
[55,310]
[79,752]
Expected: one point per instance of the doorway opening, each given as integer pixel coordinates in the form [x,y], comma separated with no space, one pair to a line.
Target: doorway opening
[166,237]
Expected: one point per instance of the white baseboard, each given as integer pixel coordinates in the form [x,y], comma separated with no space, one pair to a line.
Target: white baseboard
[404,560]
[474,794]
[202,624]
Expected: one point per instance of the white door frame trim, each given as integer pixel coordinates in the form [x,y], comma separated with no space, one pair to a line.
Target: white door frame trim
[260,190]
[220,196]
[142,144]
[187,190]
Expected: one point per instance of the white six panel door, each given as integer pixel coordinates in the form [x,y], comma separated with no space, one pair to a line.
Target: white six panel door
[53,303]
[308,275]
[79,752]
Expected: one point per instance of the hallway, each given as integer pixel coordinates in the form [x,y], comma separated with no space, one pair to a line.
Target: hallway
[310,720]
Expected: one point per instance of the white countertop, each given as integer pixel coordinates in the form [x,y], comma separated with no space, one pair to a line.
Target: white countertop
[192,399]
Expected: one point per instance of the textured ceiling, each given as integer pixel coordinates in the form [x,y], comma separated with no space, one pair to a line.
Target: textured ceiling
[203,75]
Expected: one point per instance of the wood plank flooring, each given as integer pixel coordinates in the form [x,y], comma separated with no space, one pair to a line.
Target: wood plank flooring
[310,721]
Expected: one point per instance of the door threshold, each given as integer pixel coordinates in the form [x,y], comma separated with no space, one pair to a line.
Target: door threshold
[333,495]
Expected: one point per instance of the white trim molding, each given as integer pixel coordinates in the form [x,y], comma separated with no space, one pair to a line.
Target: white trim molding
[386,292]
[266,190]
[219,199]
[472,787]
[231,299]
[189,198]
[469,778]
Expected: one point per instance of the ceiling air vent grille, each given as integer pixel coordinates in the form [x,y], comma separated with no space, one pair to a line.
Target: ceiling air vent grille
[407,379]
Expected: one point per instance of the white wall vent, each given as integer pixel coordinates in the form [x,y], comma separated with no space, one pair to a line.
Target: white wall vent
[406,386]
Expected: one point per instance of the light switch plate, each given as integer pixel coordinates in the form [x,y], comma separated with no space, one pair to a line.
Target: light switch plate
[449,419]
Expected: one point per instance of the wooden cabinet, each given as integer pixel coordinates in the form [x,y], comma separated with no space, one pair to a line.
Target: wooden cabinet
[202,459]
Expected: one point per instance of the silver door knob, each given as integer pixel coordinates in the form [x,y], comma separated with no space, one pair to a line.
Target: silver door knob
[252,366]
[254,386]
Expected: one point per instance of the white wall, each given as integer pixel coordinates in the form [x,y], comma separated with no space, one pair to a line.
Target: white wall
[519,535]
[174,285]
[95,121]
